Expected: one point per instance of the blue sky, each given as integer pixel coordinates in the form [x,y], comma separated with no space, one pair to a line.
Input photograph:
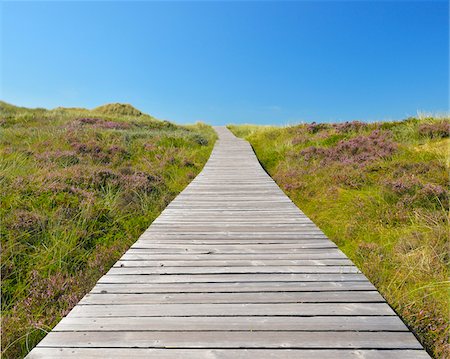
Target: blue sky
[230,62]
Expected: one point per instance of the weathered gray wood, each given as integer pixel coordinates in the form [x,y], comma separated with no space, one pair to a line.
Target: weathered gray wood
[228,339]
[219,242]
[290,323]
[256,309]
[233,297]
[232,269]
[236,235]
[169,353]
[285,253]
[122,270]
[259,247]
[225,248]
[311,255]
[229,278]
[232,263]
[233,287]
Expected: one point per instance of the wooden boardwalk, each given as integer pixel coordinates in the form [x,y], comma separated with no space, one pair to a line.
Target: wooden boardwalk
[232,269]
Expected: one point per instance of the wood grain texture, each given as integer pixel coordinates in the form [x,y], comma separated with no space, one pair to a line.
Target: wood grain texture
[242,353]
[232,269]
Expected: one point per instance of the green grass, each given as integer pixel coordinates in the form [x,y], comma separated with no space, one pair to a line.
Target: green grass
[118,109]
[380,192]
[77,188]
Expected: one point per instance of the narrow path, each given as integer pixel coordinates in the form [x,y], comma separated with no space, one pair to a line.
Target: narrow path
[232,269]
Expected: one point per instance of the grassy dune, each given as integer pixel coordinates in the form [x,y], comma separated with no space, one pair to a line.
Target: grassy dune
[77,188]
[380,192]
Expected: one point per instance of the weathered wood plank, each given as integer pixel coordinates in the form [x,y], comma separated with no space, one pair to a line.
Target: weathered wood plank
[218,250]
[232,287]
[232,248]
[169,353]
[232,263]
[270,297]
[229,278]
[228,339]
[288,323]
[227,241]
[310,255]
[122,270]
[256,309]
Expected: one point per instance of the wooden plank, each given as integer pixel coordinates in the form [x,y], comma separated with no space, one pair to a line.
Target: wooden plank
[257,309]
[255,236]
[229,278]
[227,339]
[288,323]
[218,250]
[309,255]
[235,244]
[227,297]
[232,263]
[215,220]
[285,253]
[168,353]
[123,270]
[232,236]
[209,242]
[232,287]
[246,247]
[271,230]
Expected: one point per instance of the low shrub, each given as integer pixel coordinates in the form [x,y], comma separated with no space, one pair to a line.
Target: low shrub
[359,150]
[438,129]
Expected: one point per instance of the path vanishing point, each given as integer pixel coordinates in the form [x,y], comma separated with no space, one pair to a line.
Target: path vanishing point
[232,269]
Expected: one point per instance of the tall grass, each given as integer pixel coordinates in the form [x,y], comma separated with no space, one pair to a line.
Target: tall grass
[380,192]
[77,188]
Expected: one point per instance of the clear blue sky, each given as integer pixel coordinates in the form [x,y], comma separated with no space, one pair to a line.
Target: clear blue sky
[230,62]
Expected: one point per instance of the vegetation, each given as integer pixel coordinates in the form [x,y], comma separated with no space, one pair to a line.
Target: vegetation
[118,109]
[77,189]
[380,191]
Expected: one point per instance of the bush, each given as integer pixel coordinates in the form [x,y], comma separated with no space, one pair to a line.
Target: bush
[359,150]
[118,109]
[440,129]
